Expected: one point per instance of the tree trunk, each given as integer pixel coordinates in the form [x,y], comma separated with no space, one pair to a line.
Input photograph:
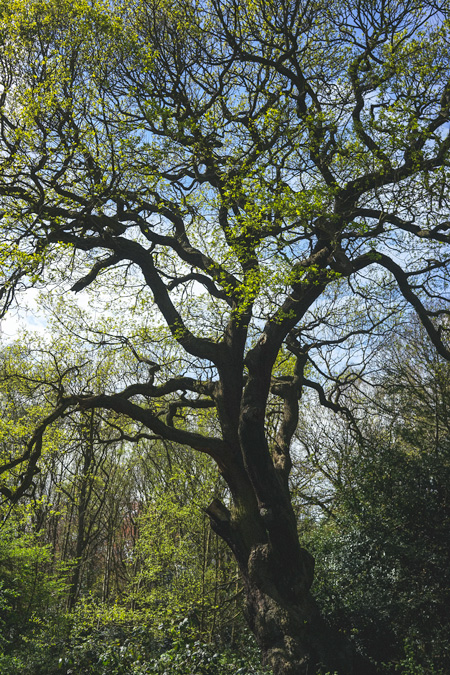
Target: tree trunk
[261,527]
[284,617]
[279,608]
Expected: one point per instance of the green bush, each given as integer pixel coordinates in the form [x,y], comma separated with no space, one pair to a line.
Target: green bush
[382,562]
[116,641]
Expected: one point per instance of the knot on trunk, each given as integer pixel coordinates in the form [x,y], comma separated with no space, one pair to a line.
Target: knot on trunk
[259,564]
[266,514]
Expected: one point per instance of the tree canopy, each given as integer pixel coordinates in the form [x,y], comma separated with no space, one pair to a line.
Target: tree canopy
[252,193]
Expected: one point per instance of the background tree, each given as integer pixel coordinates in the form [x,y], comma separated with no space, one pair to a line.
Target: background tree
[384,542]
[118,562]
[265,186]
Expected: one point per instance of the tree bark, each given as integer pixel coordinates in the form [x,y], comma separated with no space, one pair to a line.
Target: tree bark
[283,615]
[279,608]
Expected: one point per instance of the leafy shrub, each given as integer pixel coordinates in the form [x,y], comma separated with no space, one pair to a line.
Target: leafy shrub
[31,593]
[108,641]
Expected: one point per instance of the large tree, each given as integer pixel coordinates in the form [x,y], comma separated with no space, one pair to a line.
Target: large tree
[265,185]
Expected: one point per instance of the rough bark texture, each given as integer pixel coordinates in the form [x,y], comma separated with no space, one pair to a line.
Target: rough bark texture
[279,608]
[293,637]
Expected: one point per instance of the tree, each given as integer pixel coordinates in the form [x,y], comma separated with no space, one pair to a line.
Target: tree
[85,493]
[263,186]
[30,593]
[383,545]
[180,572]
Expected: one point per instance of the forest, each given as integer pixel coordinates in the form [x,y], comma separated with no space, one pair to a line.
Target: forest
[225,337]
[110,566]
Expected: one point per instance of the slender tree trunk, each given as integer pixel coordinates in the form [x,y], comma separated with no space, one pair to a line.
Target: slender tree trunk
[83,500]
[75,581]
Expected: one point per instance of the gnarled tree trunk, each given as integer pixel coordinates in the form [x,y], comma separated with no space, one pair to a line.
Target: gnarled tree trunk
[279,608]
[261,527]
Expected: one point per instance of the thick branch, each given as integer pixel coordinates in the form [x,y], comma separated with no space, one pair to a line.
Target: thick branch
[402,280]
[120,404]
